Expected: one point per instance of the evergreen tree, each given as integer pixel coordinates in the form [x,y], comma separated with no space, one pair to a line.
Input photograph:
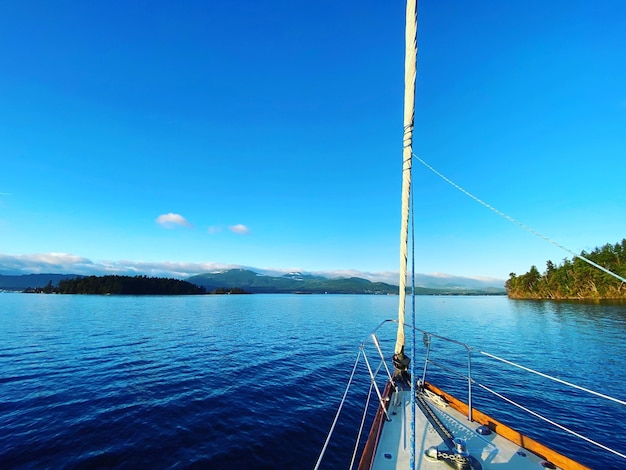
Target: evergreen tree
[574,279]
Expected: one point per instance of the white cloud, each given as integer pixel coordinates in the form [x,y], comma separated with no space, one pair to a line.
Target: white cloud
[239,228]
[453,276]
[64,263]
[39,263]
[163,268]
[421,280]
[389,277]
[170,220]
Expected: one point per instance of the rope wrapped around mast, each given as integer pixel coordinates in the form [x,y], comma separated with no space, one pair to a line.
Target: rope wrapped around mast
[410,67]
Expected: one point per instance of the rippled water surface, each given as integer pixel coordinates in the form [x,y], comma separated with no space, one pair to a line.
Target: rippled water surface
[254,381]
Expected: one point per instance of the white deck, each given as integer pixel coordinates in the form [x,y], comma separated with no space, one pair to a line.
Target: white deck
[394,447]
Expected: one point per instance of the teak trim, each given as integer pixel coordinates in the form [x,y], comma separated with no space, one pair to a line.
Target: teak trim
[511,434]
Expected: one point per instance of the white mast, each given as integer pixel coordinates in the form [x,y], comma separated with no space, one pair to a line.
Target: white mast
[410,66]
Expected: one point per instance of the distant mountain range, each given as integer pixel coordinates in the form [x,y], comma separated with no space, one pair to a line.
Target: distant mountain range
[296,282]
[24,281]
[253,282]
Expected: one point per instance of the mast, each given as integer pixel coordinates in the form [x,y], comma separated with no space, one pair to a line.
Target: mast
[410,66]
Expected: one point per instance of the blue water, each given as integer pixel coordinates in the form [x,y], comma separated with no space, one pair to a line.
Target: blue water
[253,381]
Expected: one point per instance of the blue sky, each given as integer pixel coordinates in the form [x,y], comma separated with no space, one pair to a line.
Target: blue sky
[187,136]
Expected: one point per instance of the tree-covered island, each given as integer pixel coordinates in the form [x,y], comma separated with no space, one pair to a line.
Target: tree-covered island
[122,285]
[574,279]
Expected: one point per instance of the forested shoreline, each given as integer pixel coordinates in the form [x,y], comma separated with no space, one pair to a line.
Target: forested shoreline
[122,285]
[574,279]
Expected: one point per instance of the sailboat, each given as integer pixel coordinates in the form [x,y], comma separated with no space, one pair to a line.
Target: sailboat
[417,424]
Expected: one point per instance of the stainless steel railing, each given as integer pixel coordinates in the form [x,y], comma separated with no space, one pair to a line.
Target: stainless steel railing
[377,364]
[429,340]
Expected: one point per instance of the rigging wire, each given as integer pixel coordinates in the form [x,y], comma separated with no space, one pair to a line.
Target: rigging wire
[343,400]
[555,379]
[413,347]
[363,418]
[412,216]
[516,222]
[554,423]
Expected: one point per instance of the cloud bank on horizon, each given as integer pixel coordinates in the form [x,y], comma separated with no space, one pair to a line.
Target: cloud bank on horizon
[67,263]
